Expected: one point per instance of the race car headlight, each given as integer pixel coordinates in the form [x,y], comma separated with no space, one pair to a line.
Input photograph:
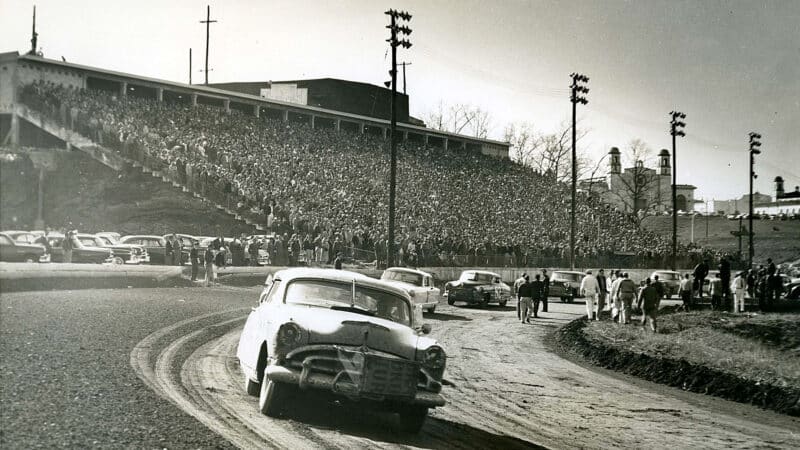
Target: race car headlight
[289,336]
[434,357]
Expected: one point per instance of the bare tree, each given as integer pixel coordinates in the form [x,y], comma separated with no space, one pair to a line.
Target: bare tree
[549,154]
[636,188]
[461,119]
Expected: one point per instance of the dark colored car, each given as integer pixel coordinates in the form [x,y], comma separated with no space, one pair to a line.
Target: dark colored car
[81,253]
[477,287]
[12,251]
[123,253]
[670,279]
[566,285]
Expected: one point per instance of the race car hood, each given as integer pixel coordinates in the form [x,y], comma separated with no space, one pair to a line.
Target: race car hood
[347,328]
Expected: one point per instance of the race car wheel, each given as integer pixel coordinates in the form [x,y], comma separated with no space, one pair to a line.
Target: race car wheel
[485,302]
[450,301]
[251,387]
[503,304]
[272,397]
[432,309]
[30,258]
[564,299]
[413,418]
[118,260]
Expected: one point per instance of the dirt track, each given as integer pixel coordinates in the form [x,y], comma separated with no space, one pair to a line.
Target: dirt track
[511,392]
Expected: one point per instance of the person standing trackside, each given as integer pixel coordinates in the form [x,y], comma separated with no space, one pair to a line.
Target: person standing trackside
[648,303]
[716,292]
[517,283]
[537,292]
[739,286]
[194,258]
[67,246]
[686,292]
[545,289]
[589,289]
[602,285]
[209,259]
[524,298]
[168,249]
[176,251]
[700,273]
[616,305]
[627,291]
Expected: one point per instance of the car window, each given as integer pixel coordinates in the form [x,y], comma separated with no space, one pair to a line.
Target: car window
[333,294]
[105,241]
[5,241]
[406,277]
[89,242]
[25,238]
[270,295]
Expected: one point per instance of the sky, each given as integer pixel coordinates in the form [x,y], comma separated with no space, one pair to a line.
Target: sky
[731,66]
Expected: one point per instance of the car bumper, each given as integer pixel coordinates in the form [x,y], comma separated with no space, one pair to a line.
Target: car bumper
[333,383]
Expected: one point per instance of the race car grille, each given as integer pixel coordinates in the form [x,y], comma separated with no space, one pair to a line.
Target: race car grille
[391,377]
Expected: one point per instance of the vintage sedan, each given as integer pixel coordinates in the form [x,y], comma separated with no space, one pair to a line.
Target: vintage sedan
[123,253]
[342,333]
[417,283]
[670,279]
[477,287]
[81,252]
[14,251]
[566,285]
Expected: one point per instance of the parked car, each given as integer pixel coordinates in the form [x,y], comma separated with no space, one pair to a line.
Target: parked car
[81,253]
[155,246]
[417,283]
[566,285]
[670,279]
[13,251]
[342,333]
[26,237]
[123,253]
[477,287]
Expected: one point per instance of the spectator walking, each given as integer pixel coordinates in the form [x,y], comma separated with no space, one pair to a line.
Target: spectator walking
[627,291]
[648,303]
[602,285]
[177,249]
[686,292]
[537,293]
[725,276]
[589,289]
[517,283]
[659,287]
[716,292]
[616,305]
[738,286]
[194,258]
[524,298]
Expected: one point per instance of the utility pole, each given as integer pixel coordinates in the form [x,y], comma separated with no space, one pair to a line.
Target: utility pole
[190,65]
[34,34]
[394,42]
[208,23]
[676,129]
[576,96]
[755,143]
[404,64]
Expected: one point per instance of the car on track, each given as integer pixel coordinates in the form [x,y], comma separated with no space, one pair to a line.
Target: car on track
[13,251]
[670,279]
[123,253]
[477,287]
[418,284]
[566,285]
[81,252]
[337,332]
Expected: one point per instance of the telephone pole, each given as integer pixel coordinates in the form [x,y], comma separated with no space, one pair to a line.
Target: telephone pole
[755,143]
[576,96]
[208,23]
[404,64]
[34,34]
[676,129]
[394,42]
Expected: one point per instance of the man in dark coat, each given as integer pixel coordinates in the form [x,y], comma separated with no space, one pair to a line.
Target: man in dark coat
[537,293]
[725,275]
[602,285]
[648,303]
[700,273]
[194,258]
[545,289]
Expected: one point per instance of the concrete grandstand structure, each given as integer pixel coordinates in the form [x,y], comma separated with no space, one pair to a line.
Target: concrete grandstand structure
[17,70]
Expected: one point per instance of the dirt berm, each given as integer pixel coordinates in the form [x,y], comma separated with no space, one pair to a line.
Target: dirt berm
[570,340]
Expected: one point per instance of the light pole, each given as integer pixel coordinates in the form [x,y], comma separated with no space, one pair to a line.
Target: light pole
[577,92]
[394,42]
[755,143]
[676,129]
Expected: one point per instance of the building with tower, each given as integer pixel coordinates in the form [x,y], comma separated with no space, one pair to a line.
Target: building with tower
[639,189]
[785,202]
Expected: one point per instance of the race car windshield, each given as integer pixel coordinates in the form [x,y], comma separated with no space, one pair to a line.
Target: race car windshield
[484,277]
[405,277]
[349,296]
[559,276]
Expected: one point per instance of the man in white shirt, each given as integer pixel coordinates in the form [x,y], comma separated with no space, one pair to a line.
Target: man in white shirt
[589,289]
[738,286]
[615,303]
[519,282]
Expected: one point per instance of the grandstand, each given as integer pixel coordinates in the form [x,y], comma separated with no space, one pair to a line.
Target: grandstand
[454,205]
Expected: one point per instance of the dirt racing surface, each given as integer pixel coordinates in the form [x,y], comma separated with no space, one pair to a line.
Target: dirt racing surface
[156,368]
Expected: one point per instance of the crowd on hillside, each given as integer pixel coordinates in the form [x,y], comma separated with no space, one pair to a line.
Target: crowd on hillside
[453,207]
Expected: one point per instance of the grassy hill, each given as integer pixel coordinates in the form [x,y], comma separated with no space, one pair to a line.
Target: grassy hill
[776,239]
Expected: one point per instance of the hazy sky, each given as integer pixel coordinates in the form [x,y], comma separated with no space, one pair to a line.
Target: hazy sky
[731,66]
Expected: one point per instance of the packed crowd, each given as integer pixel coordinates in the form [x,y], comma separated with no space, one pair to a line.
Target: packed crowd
[453,207]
